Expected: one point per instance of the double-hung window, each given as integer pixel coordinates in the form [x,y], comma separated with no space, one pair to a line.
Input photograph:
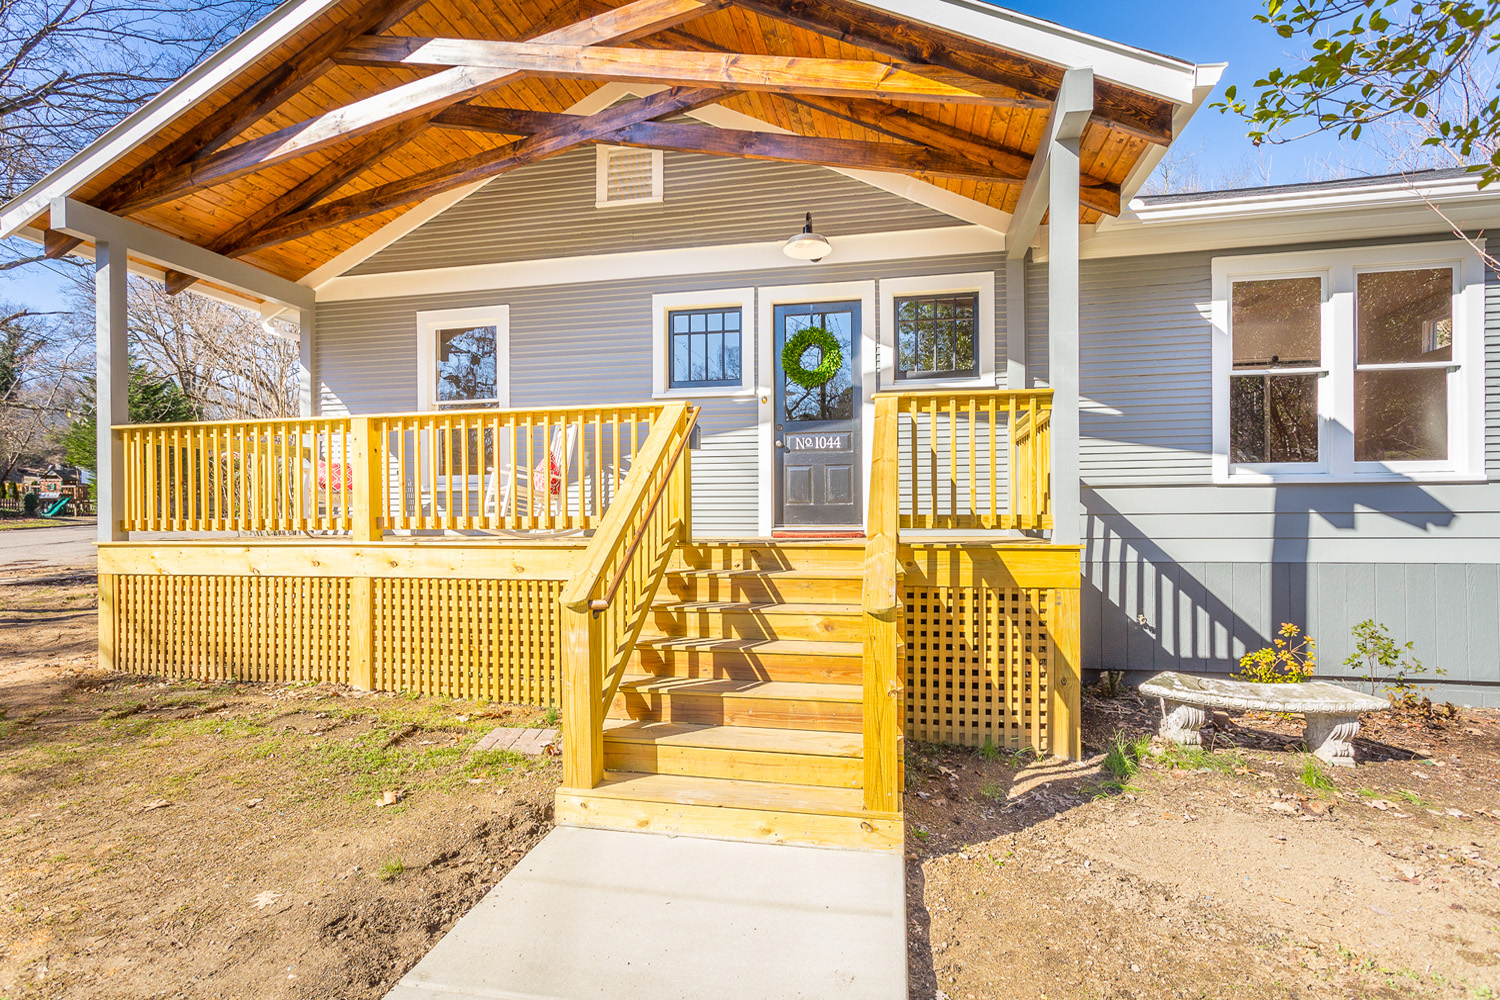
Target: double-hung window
[463,358]
[1342,365]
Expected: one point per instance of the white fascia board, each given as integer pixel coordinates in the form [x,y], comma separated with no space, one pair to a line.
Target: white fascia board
[1147,72]
[161,110]
[1271,218]
[730,259]
[917,191]
[1207,80]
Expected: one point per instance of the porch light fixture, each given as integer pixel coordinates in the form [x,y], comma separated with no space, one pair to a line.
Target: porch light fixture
[807,245]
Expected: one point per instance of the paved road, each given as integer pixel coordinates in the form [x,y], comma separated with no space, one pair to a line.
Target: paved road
[64,547]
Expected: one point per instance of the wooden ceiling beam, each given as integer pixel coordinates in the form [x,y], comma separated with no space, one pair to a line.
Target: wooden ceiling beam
[1118,107]
[738,71]
[854,154]
[420,97]
[56,244]
[482,166]
[257,101]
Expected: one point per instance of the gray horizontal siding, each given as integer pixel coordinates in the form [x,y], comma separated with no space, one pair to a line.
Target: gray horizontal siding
[587,343]
[547,210]
[1201,617]
[1492,374]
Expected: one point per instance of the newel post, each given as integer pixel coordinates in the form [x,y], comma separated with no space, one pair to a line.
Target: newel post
[582,687]
[884,681]
[364,470]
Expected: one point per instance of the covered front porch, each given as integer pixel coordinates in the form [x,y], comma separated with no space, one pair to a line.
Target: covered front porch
[901,560]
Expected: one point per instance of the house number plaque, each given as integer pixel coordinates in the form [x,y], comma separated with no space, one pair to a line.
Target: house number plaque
[818,442]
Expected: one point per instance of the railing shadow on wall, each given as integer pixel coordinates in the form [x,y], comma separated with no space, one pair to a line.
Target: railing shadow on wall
[1147,612]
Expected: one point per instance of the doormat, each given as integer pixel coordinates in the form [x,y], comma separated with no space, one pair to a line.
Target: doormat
[815,535]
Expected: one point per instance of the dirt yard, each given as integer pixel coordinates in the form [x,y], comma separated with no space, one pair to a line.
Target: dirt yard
[182,840]
[179,840]
[1244,870]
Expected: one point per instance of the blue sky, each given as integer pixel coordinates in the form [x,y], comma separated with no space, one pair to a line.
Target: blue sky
[1196,30]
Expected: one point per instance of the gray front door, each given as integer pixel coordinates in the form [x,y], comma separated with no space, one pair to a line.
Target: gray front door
[817,427]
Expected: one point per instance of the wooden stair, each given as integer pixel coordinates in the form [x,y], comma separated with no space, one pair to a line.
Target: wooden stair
[741,712]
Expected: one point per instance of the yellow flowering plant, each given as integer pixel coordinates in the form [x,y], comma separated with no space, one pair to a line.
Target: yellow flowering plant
[1289,661]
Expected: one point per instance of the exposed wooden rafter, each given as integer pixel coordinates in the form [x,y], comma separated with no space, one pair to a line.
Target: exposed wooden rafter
[740,71]
[370,151]
[420,97]
[257,101]
[578,130]
[894,36]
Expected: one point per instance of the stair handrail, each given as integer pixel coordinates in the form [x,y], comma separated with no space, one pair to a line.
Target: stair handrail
[629,552]
[884,686]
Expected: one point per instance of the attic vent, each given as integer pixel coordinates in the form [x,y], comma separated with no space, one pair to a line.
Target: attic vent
[628,176]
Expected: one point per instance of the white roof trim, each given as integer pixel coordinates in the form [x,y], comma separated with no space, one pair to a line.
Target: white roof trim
[918,191]
[1148,72]
[1400,207]
[161,110]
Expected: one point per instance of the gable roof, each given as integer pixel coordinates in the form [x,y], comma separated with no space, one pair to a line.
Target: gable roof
[311,132]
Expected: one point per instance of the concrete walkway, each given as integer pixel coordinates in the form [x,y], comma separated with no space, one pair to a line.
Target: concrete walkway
[637,916]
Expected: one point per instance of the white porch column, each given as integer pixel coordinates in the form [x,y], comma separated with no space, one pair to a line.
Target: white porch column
[1075,102]
[1015,321]
[112,385]
[307,375]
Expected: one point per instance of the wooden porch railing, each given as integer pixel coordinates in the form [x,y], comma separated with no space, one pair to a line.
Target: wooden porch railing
[238,475]
[511,470]
[553,469]
[606,603]
[976,459]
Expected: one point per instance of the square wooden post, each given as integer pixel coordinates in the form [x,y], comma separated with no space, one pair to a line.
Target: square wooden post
[1064,737]
[364,458]
[582,687]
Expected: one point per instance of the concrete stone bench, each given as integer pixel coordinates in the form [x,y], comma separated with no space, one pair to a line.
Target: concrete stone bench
[1332,711]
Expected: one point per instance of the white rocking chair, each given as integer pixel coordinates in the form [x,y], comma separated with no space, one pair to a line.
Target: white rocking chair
[515,497]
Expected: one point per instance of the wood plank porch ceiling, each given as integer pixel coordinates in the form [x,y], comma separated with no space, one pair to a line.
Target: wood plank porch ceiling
[381,103]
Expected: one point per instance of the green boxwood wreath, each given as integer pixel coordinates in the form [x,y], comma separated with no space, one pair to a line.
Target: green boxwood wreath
[791,357]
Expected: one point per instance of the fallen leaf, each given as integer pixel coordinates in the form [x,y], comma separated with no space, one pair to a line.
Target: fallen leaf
[252,803]
[146,807]
[1381,804]
[265,899]
[1283,807]
[389,798]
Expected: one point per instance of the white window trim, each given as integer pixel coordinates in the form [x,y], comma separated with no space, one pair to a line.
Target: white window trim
[790,295]
[661,353]
[601,178]
[891,289]
[429,322]
[1338,269]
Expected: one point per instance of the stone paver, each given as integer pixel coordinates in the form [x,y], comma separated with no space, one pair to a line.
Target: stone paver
[532,742]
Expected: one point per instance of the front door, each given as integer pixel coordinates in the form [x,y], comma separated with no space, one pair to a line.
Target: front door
[817,414]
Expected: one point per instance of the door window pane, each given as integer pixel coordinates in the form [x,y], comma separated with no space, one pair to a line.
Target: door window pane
[466,365]
[834,399]
[705,347]
[936,336]
[1273,418]
[1404,316]
[1277,323]
[1401,416]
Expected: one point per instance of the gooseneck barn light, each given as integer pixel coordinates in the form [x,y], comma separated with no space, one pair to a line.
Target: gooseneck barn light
[807,245]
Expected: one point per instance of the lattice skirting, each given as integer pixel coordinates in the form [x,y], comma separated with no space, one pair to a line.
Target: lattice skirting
[496,640]
[978,665]
[233,628]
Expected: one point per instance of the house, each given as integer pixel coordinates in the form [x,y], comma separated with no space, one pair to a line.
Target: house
[706,368]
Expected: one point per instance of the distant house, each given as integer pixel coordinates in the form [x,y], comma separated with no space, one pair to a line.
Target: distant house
[708,369]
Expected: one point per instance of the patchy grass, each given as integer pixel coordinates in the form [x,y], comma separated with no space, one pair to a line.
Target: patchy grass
[1123,760]
[390,870]
[1314,777]
[1190,758]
